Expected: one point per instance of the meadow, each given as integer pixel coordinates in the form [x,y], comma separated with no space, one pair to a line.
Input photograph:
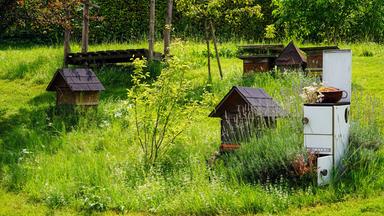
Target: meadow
[59,161]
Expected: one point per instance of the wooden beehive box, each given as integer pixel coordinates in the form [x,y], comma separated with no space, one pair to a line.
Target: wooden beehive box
[291,58]
[259,58]
[78,86]
[315,58]
[243,111]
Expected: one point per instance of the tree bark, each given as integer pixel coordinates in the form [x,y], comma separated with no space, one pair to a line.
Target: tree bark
[168,29]
[67,37]
[85,33]
[67,46]
[151,38]
[216,51]
[208,52]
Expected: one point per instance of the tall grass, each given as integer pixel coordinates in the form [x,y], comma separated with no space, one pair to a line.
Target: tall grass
[90,161]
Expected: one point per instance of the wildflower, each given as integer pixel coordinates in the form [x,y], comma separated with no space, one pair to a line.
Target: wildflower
[25,151]
[104,123]
[311,93]
[118,114]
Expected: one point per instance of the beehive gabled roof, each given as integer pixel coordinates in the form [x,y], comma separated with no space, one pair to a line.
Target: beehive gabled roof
[291,55]
[78,79]
[255,98]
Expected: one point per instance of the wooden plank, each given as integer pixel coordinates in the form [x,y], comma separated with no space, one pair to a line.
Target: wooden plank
[110,56]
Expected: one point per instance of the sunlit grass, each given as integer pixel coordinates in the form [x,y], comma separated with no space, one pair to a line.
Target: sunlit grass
[91,162]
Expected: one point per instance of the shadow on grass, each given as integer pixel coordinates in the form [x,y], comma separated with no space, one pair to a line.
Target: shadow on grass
[37,127]
[31,129]
[117,79]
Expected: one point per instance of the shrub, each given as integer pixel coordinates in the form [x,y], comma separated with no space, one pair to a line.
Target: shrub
[56,200]
[269,156]
[93,198]
[157,108]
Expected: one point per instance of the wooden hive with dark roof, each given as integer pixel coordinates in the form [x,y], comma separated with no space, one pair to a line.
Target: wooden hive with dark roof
[315,58]
[243,111]
[292,58]
[259,58]
[78,86]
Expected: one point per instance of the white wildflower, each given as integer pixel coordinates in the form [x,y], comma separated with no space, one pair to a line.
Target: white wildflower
[118,114]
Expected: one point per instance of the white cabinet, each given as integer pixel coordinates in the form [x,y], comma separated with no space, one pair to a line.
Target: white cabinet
[319,120]
[337,70]
[326,133]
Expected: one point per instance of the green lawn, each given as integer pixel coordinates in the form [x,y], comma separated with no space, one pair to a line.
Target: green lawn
[14,204]
[357,206]
[66,164]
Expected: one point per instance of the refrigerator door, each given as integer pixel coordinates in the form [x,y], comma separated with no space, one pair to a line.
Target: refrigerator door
[341,135]
[318,120]
[337,70]
[324,169]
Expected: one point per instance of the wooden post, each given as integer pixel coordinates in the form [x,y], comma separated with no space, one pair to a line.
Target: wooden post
[168,29]
[216,51]
[85,33]
[208,52]
[151,38]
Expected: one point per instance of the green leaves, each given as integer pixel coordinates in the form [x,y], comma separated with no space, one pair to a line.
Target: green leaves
[327,20]
[158,108]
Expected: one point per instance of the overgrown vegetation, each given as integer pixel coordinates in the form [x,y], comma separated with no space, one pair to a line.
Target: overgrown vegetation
[92,161]
[327,21]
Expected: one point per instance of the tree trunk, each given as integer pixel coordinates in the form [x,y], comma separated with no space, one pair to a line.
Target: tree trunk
[85,33]
[67,46]
[168,29]
[216,51]
[151,39]
[67,36]
[208,52]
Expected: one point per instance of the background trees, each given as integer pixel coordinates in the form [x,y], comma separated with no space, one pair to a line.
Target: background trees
[257,20]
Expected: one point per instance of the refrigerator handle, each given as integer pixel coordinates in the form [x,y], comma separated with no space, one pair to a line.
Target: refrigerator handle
[346,115]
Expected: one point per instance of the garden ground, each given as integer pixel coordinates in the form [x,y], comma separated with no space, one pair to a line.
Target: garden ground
[59,169]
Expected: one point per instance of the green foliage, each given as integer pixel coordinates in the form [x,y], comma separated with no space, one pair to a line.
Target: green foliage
[93,198]
[72,161]
[329,20]
[362,166]
[236,16]
[157,108]
[269,156]
[270,31]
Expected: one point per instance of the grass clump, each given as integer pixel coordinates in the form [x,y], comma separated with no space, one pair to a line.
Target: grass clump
[367,53]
